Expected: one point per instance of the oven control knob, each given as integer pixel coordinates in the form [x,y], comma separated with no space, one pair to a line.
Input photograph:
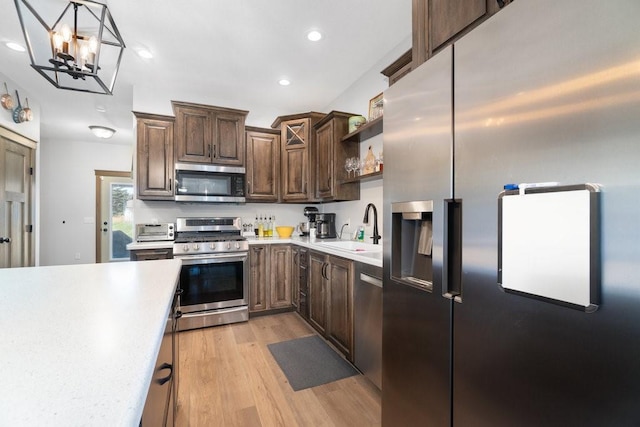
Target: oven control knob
[186,248]
[228,245]
[196,247]
[237,245]
[212,246]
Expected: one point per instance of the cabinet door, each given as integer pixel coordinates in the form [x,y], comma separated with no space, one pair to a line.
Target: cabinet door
[296,174]
[280,277]
[263,166]
[436,23]
[154,157]
[449,17]
[228,139]
[259,277]
[193,135]
[317,291]
[325,161]
[340,316]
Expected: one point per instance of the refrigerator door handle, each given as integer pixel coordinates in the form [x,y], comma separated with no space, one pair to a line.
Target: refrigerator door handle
[452,262]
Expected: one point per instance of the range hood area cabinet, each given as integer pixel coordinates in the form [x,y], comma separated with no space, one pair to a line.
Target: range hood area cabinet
[331,154]
[154,156]
[263,164]
[298,153]
[208,134]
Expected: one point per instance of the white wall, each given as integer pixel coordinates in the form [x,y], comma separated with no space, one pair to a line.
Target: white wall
[67,196]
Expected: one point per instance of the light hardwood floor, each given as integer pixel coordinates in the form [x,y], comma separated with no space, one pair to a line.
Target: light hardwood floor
[227,377]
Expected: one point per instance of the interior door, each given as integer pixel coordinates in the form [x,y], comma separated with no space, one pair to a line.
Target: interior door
[16,182]
[114,194]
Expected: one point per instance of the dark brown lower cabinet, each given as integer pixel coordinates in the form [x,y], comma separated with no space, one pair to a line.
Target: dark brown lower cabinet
[330,297]
[271,278]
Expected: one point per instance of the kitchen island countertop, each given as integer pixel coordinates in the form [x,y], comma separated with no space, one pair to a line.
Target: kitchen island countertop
[80,341]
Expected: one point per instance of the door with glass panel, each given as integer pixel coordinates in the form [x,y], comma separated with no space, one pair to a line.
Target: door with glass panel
[114,215]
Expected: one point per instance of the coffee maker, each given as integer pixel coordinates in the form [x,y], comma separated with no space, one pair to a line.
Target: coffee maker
[326,226]
[311,213]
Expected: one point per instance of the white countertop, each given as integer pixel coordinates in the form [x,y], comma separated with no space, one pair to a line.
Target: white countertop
[80,342]
[374,258]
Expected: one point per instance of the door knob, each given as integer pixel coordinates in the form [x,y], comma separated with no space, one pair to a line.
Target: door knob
[5,240]
[105,230]
[104,223]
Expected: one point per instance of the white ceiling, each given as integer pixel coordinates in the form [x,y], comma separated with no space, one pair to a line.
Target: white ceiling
[221,52]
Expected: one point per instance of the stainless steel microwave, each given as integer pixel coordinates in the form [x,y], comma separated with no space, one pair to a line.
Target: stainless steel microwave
[209,183]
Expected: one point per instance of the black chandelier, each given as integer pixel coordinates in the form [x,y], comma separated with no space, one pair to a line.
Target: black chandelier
[81,50]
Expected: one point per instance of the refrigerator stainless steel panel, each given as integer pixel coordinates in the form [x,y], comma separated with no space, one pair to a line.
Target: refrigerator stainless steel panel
[416,323]
[548,91]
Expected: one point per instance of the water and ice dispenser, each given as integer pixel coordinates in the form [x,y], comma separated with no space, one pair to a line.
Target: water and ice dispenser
[412,243]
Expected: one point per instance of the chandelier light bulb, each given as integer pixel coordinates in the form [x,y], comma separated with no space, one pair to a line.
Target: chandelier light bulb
[57,41]
[93,44]
[66,33]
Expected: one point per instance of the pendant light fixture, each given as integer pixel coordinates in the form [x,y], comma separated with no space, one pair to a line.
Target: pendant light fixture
[79,49]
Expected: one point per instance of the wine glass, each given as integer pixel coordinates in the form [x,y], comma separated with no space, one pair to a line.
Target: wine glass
[348,165]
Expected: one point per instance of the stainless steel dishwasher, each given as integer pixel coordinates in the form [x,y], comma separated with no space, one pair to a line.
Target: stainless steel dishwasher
[368,322]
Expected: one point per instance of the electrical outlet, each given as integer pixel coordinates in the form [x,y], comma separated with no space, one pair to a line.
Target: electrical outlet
[77,255]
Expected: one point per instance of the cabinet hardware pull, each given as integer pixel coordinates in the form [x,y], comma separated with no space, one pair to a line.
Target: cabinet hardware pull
[164,366]
[452,245]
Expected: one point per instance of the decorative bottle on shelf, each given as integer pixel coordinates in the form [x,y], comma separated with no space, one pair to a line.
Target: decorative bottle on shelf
[260,227]
[255,226]
[369,163]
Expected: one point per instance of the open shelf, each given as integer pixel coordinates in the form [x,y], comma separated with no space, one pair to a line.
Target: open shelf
[360,178]
[365,131]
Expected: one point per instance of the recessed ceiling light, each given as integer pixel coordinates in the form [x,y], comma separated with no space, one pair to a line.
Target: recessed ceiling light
[15,46]
[144,53]
[284,82]
[314,35]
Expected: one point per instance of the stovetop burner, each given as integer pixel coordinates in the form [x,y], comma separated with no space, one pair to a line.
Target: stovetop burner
[201,236]
[207,237]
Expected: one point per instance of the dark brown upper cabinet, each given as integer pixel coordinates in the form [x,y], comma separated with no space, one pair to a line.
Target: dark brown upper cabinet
[263,164]
[297,155]
[436,24]
[208,134]
[154,156]
[331,154]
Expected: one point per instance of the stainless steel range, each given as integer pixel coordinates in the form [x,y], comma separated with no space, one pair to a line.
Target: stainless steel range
[215,271]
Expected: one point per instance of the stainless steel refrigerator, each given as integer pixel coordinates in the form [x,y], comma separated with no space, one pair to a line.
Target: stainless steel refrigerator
[542,92]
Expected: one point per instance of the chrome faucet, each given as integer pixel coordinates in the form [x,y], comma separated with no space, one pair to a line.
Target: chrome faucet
[376,237]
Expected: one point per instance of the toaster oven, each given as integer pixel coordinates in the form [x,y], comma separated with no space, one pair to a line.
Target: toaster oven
[155,232]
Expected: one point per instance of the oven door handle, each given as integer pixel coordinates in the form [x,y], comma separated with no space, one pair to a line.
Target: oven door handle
[209,258]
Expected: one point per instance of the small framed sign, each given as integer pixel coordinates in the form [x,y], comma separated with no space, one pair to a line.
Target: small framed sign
[375,106]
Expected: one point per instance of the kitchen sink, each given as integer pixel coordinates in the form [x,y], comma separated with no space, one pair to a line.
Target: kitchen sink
[350,246]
